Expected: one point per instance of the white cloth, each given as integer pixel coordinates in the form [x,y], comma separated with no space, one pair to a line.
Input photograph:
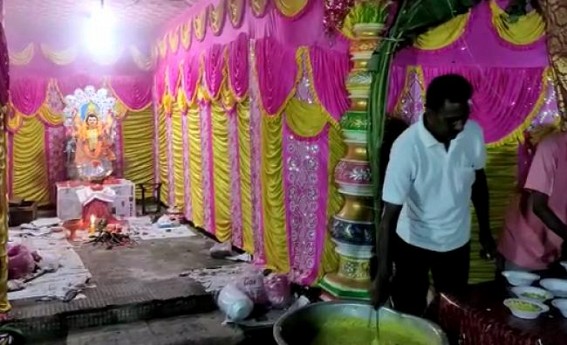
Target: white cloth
[86,195]
[434,185]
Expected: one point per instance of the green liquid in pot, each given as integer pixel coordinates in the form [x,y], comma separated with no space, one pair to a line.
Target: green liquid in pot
[354,331]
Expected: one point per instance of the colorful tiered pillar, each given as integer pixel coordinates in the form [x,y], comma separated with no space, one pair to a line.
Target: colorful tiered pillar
[353,229]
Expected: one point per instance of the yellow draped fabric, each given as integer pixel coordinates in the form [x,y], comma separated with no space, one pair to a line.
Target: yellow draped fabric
[29,173]
[70,54]
[185,32]
[217,17]
[162,139]
[501,170]
[337,150]
[221,172]
[527,30]
[243,113]
[259,7]
[23,57]
[178,169]
[444,34]
[4,303]
[200,25]
[137,145]
[302,125]
[291,8]
[234,10]
[275,234]
[173,40]
[59,57]
[194,133]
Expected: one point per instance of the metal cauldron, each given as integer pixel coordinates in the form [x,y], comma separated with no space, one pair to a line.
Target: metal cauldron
[299,327]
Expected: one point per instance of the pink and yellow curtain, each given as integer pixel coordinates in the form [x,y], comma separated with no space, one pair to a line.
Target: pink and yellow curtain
[36,139]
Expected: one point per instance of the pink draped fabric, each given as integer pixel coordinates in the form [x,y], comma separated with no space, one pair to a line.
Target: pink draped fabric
[187,168]
[157,163]
[207,167]
[28,94]
[68,85]
[172,83]
[119,151]
[4,66]
[479,46]
[214,67]
[238,65]
[305,169]
[159,83]
[306,195]
[502,98]
[235,185]
[134,92]
[55,158]
[255,173]
[396,85]
[276,69]
[330,71]
[190,76]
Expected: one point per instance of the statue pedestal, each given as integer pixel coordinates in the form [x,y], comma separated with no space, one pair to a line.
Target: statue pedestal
[69,207]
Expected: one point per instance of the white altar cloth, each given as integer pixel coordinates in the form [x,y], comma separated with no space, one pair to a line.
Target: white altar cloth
[69,206]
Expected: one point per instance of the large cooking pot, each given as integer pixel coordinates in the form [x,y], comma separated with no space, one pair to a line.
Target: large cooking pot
[301,326]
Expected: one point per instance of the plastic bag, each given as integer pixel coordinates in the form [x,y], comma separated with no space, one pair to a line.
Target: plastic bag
[252,284]
[278,290]
[21,262]
[234,303]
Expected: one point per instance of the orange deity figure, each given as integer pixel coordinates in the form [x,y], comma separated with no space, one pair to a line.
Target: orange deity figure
[89,121]
[92,138]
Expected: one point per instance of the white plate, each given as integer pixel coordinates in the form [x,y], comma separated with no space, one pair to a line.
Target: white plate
[558,287]
[561,305]
[511,303]
[523,292]
[520,278]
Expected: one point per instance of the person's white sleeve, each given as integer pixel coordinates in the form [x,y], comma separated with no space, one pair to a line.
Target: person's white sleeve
[479,147]
[398,179]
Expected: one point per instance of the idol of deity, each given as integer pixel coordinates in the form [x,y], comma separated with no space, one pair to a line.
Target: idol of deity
[93,142]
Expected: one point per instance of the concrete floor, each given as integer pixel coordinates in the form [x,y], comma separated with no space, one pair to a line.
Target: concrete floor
[139,298]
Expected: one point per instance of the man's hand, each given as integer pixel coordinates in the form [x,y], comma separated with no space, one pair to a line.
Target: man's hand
[488,250]
[380,289]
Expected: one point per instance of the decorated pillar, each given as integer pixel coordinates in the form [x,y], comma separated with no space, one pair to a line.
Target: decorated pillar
[4,86]
[353,229]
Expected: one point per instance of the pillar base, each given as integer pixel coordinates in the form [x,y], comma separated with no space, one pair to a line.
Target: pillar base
[343,288]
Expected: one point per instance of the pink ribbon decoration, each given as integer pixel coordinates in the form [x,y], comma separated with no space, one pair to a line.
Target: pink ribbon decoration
[68,85]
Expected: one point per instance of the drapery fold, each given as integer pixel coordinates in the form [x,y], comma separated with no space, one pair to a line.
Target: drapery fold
[190,75]
[134,92]
[277,73]
[510,102]
[329,70]
[221,173]
[214,69]
[194,130]
[28,94]
[237,66]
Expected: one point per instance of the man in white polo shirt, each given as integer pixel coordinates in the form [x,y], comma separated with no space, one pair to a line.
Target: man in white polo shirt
[436,168]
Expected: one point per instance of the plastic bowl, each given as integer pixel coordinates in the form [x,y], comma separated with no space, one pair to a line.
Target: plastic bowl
[531,293]
[561,305]
[520,278]
[558,287]
[525,309]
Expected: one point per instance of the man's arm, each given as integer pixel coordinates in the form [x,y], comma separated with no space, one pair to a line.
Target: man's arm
[542,210]
[480,199]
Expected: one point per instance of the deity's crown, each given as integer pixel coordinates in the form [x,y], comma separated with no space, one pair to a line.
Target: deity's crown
[92,108]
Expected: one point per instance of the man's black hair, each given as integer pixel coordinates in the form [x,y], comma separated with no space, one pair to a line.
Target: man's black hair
[449,87]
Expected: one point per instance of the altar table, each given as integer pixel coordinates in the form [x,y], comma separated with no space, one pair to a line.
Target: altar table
[69,207]
[479,318]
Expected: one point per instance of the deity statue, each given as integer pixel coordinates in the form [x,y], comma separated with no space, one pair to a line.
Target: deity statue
[90,129]
[92,137]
